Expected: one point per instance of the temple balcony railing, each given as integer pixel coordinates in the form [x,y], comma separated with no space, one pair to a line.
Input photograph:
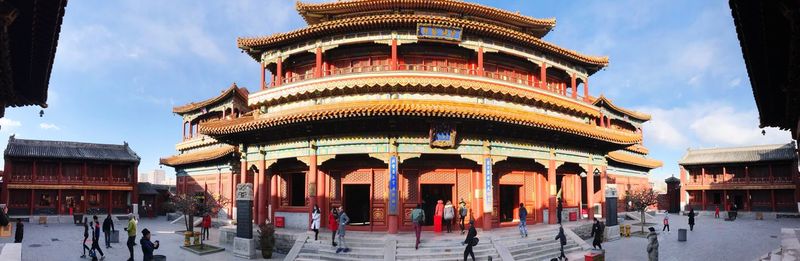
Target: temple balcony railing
[739,181]
[561,89]
[96,180]
[198,140]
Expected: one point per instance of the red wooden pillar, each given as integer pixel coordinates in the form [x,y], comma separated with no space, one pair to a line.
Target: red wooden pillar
[590,192]
[85,198]
[322,200]
[256,192]
[279,75]
[543,75]
[318,64]
[273,194]
[394,59]
[134,182]
[772,192]
[725,200]
[58,202]
[480,61]
[312,178]
[263,189]
[603,183]
[243,171]
[574,87]
[31,201]
[110,200]
[263,76]
[704,199]
[551,187]
[586,90]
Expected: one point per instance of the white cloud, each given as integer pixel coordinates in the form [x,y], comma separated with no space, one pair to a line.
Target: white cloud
[8,125]
[48,126]
[709,124]
[735,82]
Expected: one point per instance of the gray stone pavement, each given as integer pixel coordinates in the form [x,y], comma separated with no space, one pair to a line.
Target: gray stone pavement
[39,244]
[745,239]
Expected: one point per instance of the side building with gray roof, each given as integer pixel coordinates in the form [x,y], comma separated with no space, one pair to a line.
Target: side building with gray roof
[44,177]
[752,178]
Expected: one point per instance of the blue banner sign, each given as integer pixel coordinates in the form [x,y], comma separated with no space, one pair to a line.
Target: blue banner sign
[393,185]
[489,193]
[439,32]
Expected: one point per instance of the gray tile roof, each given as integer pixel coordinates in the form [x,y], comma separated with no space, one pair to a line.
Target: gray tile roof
[739,154]
[69,150]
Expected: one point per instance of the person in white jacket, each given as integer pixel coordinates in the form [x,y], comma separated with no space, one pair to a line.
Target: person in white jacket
[315,216]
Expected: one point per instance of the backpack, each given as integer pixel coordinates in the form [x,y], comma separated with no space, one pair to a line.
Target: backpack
[474,241]
[418,216]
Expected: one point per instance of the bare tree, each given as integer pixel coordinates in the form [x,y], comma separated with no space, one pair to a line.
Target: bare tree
[198,205]
[640,199]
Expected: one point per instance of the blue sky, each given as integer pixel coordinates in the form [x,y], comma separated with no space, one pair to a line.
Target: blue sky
[122,65]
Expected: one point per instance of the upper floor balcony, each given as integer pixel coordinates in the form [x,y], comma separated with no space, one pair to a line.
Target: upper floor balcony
[719,180]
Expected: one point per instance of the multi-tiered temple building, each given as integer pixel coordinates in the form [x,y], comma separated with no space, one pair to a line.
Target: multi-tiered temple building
[381,105]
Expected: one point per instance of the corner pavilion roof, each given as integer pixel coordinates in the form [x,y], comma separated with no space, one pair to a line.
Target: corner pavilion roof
[254,45]
[631,113]
[314,13]
[772,152]
[640,161]
[199,156]
[69,150]
[233,90]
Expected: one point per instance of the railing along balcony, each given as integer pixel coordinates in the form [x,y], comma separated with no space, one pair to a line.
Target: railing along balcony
[557,88]
[739,180]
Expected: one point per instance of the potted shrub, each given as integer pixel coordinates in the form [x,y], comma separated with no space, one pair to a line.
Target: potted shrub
[266,235]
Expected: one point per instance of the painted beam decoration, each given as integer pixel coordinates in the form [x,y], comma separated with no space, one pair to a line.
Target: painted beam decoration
[393,185]
[487,181]
[439,32]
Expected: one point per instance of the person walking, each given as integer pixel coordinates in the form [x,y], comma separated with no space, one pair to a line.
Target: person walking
[85,237]
[131,234]
[206,224]
[418,218]
[691,219]
[471,241]
[666,222]
[598,229]
[108,227]
[462,213]
[19,232]
[343,221]
[523,220]
[449,214]
[437,216]
[96,237]
[315,216]
[652,245]
[563,240]
[333,224]
[147,246]
[716,212]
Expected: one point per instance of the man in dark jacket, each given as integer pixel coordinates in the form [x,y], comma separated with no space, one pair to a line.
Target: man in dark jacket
[470,241]
[147,246]
[20,230]
[523,222]
[563,239]
[108,226]
[559,208]
[598,229]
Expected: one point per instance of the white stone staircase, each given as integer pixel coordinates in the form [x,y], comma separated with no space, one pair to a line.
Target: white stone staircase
[361,248]
[444,247]
[539,245]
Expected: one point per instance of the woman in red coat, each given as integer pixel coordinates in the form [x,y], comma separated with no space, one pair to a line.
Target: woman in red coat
[437,216]
[205,225]
[333,224]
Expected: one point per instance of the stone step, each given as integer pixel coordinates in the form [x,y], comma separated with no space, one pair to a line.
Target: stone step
[353,249]
[452,258]
[358,243]
[341,256]
[525,249]
[548,255]
[533,244]
[433,251]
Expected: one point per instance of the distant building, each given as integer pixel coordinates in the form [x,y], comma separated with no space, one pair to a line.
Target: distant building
[44,177]
[152,198]
[154,177]
[754,178]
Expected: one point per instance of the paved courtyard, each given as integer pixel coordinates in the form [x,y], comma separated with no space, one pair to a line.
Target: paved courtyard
[63,242]
[745,239]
